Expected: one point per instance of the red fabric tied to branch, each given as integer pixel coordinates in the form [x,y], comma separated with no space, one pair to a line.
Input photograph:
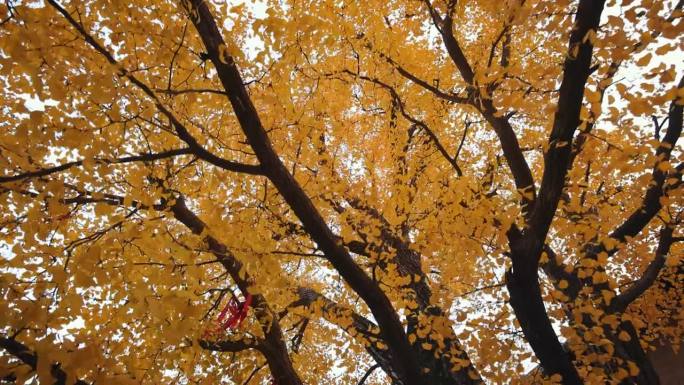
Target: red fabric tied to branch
[235,311]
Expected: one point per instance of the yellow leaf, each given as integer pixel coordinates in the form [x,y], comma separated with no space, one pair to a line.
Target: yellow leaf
[590,36]
[664,166]
[607,296]
[644,60]
[224,54]
[624,336]
[633,369]
[43,368]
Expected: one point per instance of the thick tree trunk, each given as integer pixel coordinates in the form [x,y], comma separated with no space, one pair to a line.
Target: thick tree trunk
[527,303]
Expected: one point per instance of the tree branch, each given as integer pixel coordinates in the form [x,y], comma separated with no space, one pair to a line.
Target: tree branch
[419,123]
[181,130]
[368,373]
[227,346]
[30,358]
[519,167]
[63,167]
[576,71]
[189,91]
[629,295]
[422,83]
[360,327]
[651,203]
[273,347]
[381,307]
[526,246]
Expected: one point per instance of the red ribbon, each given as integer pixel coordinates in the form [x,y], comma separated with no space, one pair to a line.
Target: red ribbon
[237,312]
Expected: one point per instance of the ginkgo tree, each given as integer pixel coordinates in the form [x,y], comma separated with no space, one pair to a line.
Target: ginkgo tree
[316,192]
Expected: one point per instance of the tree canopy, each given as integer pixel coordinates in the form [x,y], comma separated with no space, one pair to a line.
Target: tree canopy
[338,192]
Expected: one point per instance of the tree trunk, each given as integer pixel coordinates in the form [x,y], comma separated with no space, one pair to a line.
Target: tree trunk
[528,305]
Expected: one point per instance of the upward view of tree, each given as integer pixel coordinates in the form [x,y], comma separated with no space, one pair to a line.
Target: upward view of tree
[340,192]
